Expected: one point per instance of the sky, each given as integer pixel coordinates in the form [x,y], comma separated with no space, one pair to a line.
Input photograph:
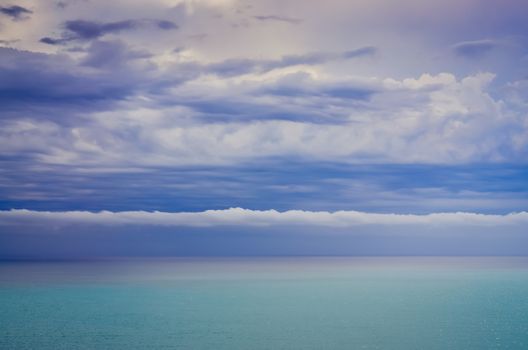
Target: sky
[263,127]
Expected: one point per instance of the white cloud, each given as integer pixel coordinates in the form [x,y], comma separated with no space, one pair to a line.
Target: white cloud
[430,119]
[247,217]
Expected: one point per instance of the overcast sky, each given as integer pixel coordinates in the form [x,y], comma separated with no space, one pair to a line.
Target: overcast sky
[335,127]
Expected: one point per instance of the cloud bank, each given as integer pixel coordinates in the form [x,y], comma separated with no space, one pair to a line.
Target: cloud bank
[247,217]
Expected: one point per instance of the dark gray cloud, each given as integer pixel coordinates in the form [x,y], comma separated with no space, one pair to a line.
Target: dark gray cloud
[87,30]
[277,18]
[51,41]
[166,25]
[294,97]
[63,84]
[68,90]
[90,30]
[283,185]
[64,81]
[69,87]
[15,12]
[474,49]
[125,72]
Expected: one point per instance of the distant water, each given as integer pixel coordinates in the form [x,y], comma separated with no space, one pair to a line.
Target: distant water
[268,303]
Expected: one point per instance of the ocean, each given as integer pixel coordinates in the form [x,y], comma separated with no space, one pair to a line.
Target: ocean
[266,303]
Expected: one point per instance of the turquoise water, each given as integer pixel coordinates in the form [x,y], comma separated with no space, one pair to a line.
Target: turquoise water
[271,303]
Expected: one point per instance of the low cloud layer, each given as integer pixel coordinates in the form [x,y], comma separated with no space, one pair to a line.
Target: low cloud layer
[247,217]
[27,234]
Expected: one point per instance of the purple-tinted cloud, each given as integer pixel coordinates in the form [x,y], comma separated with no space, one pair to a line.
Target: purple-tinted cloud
[63,85]
[89,30]
[278,18]
[111,54]
[474,49]
[233,67]
[15,12]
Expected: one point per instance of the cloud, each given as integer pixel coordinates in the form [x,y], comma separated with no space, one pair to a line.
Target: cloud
[111,54]
[247,217]
[120,121]
[362,51]
[71,87]
[66,81]
[234,67]
[15,12]
[277,18]
[430,119]
[280,184]
[474,49]
[304,85]
[52,41]
[89,30]
[62,83]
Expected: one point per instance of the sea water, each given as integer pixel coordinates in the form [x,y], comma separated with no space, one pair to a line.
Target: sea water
[266,303]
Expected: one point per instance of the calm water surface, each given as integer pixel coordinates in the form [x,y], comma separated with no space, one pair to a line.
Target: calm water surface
[268,303]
